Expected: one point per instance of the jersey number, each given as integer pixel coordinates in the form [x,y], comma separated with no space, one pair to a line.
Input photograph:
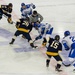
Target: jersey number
[54,45]
[72,38]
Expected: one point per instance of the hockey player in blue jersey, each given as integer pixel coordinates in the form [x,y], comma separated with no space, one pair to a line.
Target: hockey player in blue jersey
[43,29]
[26,10]
[69,44]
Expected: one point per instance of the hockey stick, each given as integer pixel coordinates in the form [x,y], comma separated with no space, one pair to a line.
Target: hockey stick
[68,64]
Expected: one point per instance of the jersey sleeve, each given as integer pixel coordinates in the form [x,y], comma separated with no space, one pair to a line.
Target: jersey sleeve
[60,47]
[40,17]
[64,42]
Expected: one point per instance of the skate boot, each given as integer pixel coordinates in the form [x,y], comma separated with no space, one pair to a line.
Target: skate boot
[32,45]
[57,68]
[74,70]
[47,63]
[12,41]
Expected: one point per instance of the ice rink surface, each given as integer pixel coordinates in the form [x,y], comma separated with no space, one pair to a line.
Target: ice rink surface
[20,58]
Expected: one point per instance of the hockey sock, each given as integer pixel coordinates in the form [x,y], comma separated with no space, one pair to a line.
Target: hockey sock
[12,41]
[47,62]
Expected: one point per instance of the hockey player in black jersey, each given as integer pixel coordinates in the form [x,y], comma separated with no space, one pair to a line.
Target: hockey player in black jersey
[23,27]
[53,50]
[6,10]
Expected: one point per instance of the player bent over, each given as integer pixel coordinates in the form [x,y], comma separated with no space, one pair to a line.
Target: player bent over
[43,29]
[23,27]
[26,9]
[53,50]
[6,10]
[35,18]
[69,45]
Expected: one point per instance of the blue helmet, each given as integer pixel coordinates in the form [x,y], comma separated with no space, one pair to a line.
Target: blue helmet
[22,4]
[66,33]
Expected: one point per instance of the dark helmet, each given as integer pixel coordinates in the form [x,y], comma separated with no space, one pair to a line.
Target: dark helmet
[57,37]
[10,5]
[66,33]
[22,4]
[27,19]
[33,6]
[34,12]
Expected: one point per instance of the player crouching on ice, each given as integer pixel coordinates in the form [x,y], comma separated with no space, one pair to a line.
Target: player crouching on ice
[53,49]
[23,27]
[69,44]
[43,30]
[26,9]
[6,10]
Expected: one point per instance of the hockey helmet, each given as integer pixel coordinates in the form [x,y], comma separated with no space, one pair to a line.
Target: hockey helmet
[57,37]
[66,33]
[10,5]
[34,12]
[33,6]
[22,4]
[27,19]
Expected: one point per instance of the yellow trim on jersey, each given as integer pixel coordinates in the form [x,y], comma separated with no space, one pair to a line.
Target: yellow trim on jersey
[52,53]
[24,30]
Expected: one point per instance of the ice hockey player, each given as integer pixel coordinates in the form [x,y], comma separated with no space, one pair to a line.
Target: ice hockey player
[6,10]
[36,18]
[26,10]
[23,27]
[69,45]
[43,29]
[53,50]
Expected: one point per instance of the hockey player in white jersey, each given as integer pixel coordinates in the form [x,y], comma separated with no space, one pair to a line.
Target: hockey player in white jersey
[43,29]
[26,10]
[69,44]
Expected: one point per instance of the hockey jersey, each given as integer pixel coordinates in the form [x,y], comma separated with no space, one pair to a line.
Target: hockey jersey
[23,25]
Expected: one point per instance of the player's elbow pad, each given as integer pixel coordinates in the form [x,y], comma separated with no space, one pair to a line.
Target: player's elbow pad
[38,37]
[50,31]
[66,47]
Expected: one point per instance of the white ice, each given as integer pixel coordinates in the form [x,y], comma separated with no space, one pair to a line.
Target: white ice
[59,13]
